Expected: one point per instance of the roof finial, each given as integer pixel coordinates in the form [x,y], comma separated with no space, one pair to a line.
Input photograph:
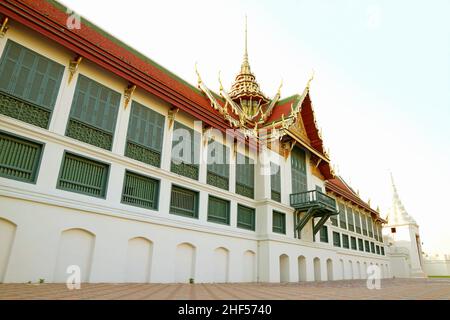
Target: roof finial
[246,48]
[245,68]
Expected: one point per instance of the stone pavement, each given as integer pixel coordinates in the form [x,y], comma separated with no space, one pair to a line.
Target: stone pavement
[349,289]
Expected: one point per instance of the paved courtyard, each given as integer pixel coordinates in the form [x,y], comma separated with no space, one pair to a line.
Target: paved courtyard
[350,289]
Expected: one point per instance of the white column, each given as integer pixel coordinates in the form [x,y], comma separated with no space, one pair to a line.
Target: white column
[286,180]
[166,153]
[121,130]
[262,177]
[61,111]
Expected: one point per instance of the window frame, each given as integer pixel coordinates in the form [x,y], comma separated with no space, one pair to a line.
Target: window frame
[215,219]
[283,226]
[243,226]
[157,192]
[77,155]
[196,202]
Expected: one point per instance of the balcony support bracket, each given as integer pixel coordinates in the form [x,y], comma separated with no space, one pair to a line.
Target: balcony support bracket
[319,225]
[302,221]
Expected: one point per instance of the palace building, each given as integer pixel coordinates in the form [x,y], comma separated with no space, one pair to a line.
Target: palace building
[108,163]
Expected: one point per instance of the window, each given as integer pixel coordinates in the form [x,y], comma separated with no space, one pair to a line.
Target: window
[336,239]
[342,222]
[334,219]
[393,230]
[357,222]
[360,244]
[218,169]
[351,226]
[29,85]
[275,182]
[345,242]
[19,158]
[298,167]
[369,226]
[93,114]
[246,218]
[279,222]
[372,247]
[184,202]
[245,176]
[185,151]
[218,210]
[83,175]
[382,251]
[324,234]
[140,191]
[377,249]
[353,243]
[364,224]
[380,233]
[367,246]
[145,135]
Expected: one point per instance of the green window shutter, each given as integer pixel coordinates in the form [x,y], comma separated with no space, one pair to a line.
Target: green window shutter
[298,168]
[369,226]
[246,218]
[218,169]
[278,222]
[372,247]
[357,222]
[82,175]
[364,224]
[93,113]
[29,85]
[353,243]
[145,135]
[186,163]
[366,246]
[324,234]
[218,210]
[184,202]
[375,231]
[30,76]
[140,191]
[245,176]
[351,226]
[334,218]
[342,220]
[336,239]
[275,182]
[19,158]
[380,233]
[378,249]
[360,245]
[345,242]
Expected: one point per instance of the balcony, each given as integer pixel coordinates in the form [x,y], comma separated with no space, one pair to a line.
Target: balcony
[309,205]
[313,198]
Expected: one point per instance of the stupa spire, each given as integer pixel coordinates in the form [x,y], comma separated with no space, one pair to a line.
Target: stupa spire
[397,213]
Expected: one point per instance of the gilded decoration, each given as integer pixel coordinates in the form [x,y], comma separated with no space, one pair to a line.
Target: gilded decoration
[247,108]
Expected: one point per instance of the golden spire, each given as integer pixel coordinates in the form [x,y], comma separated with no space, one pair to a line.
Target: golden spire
[245,67]
[245,90]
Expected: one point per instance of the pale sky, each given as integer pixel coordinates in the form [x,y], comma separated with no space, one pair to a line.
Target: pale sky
[381,89]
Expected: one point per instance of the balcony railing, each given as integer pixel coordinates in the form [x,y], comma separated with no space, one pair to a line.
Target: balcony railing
[308,199]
